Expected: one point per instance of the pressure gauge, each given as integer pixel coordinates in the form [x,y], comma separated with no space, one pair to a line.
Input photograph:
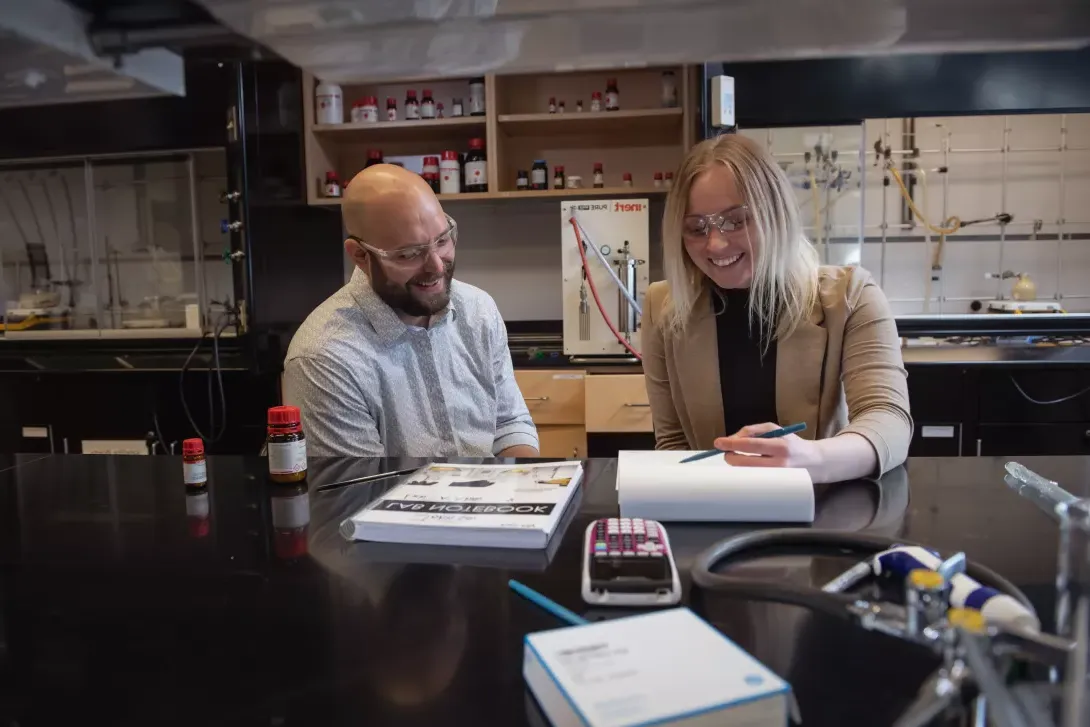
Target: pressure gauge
[605,249]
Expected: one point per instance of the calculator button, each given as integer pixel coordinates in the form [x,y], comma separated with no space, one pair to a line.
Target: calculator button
[614,552]
[643,554]
[600,547]
[656,555]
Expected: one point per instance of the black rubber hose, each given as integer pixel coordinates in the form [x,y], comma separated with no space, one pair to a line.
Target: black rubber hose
[834,604]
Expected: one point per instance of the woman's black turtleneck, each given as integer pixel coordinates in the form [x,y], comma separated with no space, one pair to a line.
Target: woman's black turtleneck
[747,378]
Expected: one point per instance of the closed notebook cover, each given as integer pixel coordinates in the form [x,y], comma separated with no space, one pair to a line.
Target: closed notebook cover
[659,667]
[657,485]
[471,498]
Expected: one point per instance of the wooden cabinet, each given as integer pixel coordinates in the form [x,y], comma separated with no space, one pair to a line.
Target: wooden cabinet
[553,397]
[617,403]
[641,138]
[556,401]
[568,441]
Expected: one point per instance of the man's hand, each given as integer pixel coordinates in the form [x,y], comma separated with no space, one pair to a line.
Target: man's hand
[519,450]
[789,451]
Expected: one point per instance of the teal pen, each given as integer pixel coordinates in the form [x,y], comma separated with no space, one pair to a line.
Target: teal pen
[781,432]
[547,604]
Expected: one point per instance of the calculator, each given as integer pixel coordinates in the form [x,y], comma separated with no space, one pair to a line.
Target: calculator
[628,562]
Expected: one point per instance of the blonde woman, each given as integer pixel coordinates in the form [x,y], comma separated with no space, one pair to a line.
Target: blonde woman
[748,332]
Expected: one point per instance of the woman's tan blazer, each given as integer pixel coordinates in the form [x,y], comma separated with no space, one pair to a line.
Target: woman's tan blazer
[840,371]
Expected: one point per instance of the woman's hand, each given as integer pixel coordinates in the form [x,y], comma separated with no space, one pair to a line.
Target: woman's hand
[789,451]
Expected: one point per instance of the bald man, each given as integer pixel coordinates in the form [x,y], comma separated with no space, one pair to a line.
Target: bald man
[404,360]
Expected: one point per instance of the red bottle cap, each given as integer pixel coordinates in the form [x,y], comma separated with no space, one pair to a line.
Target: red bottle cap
[476,143]
[597,95]
[391,102]
[627,176]
[450,155]
[284,416]
[658,175]
[669,175]
[611,82]
[439,105]
[357,103]
[559,168]
[427,92]
[561,102]
[372,100]
[192,447]
[331,176]
[552,99]
[410,94]
[597,166]
[374,153]
[431,161]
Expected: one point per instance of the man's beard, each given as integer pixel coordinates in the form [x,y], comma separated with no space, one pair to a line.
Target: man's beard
[406,298]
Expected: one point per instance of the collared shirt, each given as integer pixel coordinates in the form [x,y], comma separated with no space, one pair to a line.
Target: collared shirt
[369,384]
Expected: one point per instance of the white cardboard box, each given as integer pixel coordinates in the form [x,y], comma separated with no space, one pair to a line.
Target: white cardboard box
[662,668]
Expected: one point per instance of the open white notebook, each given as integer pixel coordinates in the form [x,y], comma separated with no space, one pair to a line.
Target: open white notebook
[655,485]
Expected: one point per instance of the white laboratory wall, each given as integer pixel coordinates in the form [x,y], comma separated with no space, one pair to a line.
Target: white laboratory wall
[1033,181]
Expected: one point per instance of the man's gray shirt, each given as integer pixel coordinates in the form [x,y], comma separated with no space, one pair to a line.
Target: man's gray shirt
[369,384]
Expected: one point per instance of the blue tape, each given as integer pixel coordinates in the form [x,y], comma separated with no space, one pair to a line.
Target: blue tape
[979,596]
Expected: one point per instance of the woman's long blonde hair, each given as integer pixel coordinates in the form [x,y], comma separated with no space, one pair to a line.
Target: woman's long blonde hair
[785,265]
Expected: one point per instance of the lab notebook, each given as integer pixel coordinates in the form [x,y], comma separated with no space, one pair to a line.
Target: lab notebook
[490,506]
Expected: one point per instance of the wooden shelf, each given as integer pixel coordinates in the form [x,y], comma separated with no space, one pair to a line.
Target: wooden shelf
[424,130]
[636,121]
[531,194]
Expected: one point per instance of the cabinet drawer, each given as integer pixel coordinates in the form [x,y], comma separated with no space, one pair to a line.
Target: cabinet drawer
[553,397]
[617,403]
[568,441]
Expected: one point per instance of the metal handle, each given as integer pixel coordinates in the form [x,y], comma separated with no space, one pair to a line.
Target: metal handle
[979,443]
[633,405]
[536,398]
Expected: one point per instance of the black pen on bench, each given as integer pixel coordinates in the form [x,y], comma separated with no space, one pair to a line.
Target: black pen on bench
[365,478]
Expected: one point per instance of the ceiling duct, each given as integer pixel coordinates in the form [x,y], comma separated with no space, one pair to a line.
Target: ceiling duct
[46,57]
[350,40]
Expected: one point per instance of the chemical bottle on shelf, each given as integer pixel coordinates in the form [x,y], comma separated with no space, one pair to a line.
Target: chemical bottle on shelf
[599,176]
[596,101]
[552,104]
[450,173]
[329,103]
[412,106]
[668,182]
[578,105]
[539,174]
[431,164]
[613,96]
[558,177]
[332,185]
[658,180]
[669,90]
[432,178]
[356,114]
[427,105]
[560,106]
[369,110]
[522,180]
[374,156]
[439,110]
[391,109]
[476,167]
[626,179]
[456,108]
[476,97]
